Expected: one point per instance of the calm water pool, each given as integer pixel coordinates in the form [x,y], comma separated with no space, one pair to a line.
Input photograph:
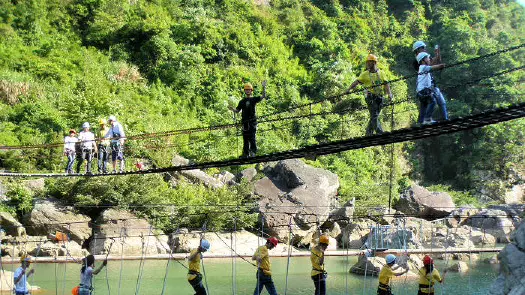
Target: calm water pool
[219,274]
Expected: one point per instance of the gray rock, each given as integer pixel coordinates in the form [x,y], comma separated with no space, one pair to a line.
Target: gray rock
[459,266]
[495,222]
[11,226]
[199,176]
[120,231]
[418,201]
[247,174]
[460,216]
[35,185]
[512,271]
[179,161]
[354,235]
[226,177]
[295,193]
[49,216]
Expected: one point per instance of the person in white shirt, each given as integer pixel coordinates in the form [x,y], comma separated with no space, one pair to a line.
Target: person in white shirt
[22,274]
[425,92]
[117,135]
[69,149]
[86,274]
[88,147]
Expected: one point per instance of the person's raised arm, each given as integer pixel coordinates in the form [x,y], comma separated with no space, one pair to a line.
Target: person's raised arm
[104,263]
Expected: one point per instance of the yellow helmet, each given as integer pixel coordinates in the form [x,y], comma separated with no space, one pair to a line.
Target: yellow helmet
[248,86]
[324,239]
[102,122]
[371,57]
[25,257]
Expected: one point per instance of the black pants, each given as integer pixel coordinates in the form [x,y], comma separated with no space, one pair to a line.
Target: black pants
[103,158]
[87,154]
[384,292]
[320,284]
[248,136]
[421,293]
[264,281]
[197,285]
[374,103]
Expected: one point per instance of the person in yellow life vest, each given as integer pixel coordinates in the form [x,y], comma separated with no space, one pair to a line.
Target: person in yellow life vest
[372,79]
[103,147]
[194,272]
[317,258]
[428,276]
[387,273]
[264,273]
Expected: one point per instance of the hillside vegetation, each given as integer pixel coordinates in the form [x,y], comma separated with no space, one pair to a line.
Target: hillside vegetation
[171,64]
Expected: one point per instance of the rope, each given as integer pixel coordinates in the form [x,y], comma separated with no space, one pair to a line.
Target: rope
[234,287]
[289,254]
[204,229]
[121,258]
[106,268]
[168,266]
[470,261]
[141,266]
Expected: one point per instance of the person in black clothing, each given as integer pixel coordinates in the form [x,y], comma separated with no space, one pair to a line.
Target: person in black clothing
[249,118]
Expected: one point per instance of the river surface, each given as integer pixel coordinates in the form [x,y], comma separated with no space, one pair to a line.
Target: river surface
[59,279]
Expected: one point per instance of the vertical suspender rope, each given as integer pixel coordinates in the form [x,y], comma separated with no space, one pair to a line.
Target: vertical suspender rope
[36,256]
[106,268]
[258,245]
[446,261]
[141,265]
[167,267]
[204,228]
[289,254]
[346,261]
[234,244]
[65,264]
[366,263]
[121,258]
[392,164]
[470,260]
[94,248]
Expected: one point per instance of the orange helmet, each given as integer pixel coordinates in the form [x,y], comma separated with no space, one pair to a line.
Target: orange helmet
[371,57]
[324,240]
[248,86]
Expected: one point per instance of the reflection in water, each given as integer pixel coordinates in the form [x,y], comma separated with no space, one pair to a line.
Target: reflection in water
[219,273]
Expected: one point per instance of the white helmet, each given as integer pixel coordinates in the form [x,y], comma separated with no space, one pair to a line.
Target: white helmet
[418,44]
[421,56]
[85,125]
[112,118]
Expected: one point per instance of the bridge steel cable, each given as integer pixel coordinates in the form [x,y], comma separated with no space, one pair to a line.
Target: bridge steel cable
[408,134]
[229,126]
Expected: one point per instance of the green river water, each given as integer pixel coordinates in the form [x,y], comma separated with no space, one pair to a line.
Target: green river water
[219,275]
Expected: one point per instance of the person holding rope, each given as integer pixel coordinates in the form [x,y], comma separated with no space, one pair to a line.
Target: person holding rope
[318,273]
[194,267]
[70,142]
[21,275]
[424,88]
[264,273]
[428,275]
[372,80]
[249,118]
[103,147]
[86,274]
[87,147]
[419,47]
[387,273]
[117,135]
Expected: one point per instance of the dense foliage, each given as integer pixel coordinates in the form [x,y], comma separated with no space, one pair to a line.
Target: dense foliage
[170,64]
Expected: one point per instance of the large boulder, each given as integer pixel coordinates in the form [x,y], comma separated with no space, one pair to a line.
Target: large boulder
[247,174]
[193,175]
[511,279]
[418,201]
[495,222]
[49,216]
[11,226]
[461,215]
[459,266]
[293,193]
[122,232]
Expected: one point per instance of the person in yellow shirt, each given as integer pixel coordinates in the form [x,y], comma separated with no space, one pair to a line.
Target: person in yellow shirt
[103,147]
[372,78]
[428,276]
[317,258]
[264,273]
[194,267]
[387,273]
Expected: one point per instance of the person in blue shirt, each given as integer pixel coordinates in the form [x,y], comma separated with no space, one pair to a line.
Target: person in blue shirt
[117,136]
[22,274]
